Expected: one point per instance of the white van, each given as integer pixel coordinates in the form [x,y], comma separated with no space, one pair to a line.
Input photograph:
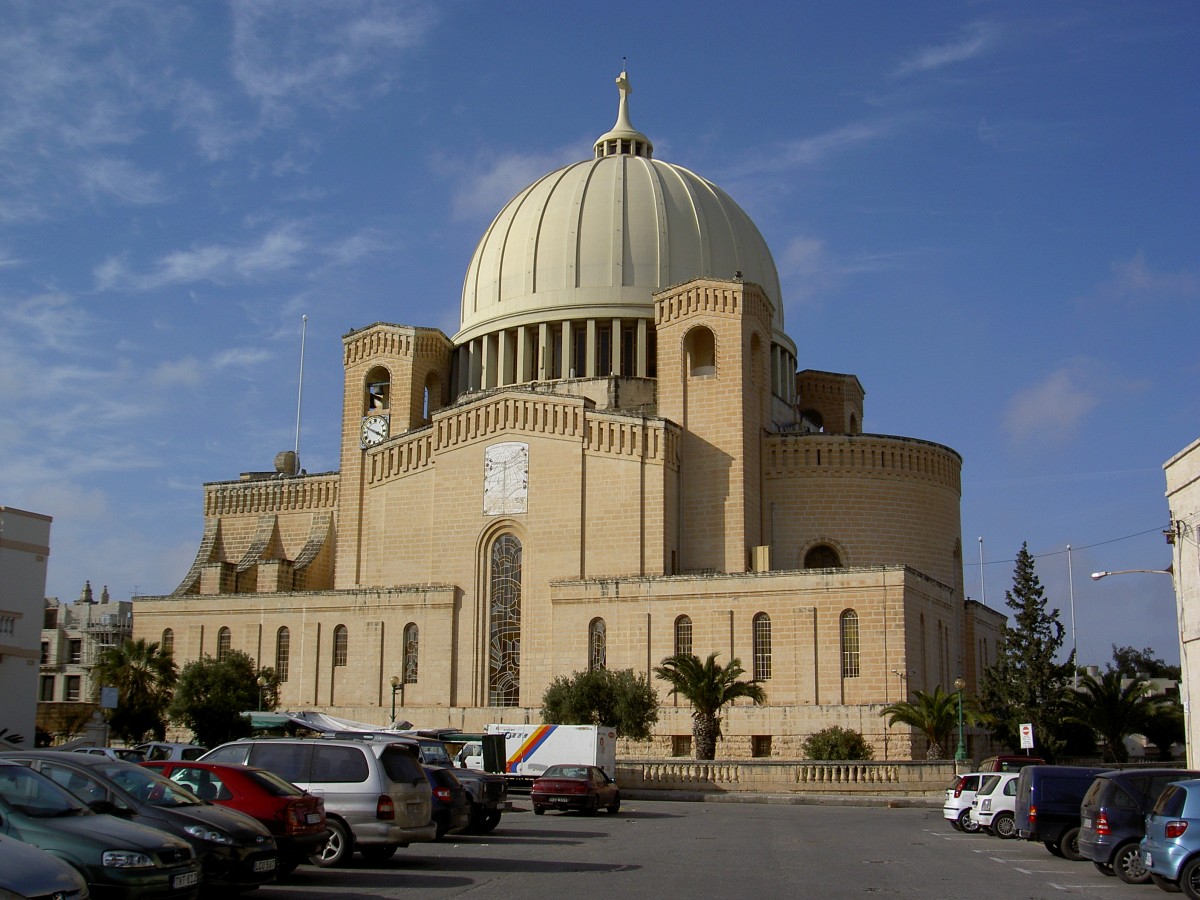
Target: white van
[376,795]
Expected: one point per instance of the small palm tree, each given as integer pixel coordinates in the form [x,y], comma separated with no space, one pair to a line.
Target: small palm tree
[1114,707]
[709,688]
[144,677]
[933,714]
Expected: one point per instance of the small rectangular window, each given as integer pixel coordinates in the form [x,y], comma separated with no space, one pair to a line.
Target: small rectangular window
[681,745]
[47,693]
[45,652]
[75,653]
[760,745]
[72,692]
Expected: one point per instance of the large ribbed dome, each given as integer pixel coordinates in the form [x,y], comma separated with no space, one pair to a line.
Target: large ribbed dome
[596,239]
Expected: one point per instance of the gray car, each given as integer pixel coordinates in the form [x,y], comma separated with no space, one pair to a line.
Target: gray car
[376,796]
[29,872]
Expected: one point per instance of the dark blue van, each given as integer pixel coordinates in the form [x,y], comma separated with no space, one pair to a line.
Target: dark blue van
[1048,799]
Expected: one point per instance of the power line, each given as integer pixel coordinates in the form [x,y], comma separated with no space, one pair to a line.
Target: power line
[1159,528]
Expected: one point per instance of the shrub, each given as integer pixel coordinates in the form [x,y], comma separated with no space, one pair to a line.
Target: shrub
[836,742]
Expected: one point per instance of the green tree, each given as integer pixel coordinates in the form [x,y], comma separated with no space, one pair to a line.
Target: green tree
[1142,664]
[836,742]
[211,696]
[709,687]
[144,677]
[933,714]
[1164,726]
[623,699]
[1025,684]
[1114,707]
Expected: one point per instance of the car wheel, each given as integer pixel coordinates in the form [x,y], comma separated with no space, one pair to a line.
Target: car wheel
[490,820]
[539,810]
[593,808]
[1052,846]
[1128,866]
[337,849]
[954,823]
[1189,878]
[967,823]
[1165,884]
[378,853]
[288,863]
[1068,843]
[1104,868]
[615,806]
[1005,826]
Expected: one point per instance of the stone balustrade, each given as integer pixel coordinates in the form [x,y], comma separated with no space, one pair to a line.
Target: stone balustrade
[782,776]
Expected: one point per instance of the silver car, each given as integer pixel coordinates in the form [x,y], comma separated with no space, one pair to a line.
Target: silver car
[376,795]
[29,872]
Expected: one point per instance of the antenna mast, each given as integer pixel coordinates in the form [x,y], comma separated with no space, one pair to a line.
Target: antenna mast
[300,391]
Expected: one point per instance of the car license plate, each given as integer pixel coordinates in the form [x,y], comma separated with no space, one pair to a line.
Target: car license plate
[560,799]
[1087,823]
[187,879]
[312,818]
[264,865]
[1147,859]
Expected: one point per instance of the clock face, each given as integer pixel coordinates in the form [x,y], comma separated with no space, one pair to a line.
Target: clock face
[374,430]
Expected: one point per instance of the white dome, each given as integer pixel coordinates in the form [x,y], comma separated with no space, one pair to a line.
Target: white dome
[597,238]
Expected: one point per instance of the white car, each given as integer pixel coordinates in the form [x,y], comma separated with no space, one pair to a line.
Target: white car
[957,806]
[994,808]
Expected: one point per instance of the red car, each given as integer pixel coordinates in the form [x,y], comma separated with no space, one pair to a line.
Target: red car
[585,788]
[296,819]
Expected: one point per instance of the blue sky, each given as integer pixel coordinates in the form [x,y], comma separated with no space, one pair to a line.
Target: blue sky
[986,211]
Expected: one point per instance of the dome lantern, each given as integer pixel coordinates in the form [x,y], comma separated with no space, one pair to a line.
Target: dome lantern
[623,139]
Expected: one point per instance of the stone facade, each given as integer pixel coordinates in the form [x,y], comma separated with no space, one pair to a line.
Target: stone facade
[613,461]
[1183,496]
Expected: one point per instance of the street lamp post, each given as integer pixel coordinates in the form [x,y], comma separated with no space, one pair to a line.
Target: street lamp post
[960,755]
[396,686]
[263,681]
[1096,576]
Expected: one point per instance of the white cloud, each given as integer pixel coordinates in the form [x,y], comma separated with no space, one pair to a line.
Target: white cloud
[974,40]
[1134,281]
[811,151]
[122,180]
[1055,409]
[485,185]
[240,357]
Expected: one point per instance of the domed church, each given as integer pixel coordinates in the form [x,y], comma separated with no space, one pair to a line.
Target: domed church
[614,459]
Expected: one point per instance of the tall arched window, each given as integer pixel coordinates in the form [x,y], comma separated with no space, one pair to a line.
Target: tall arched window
[283,649]
[701,349]
[412,646]
[504,633]
[167,644]
[850,658]
[761,627]
[597,645]
[224,643]
[683,635]
[341,641]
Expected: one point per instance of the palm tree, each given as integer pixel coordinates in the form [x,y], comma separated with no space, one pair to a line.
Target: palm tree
[709,688]
[144,677]
[1114,707]
[934,714]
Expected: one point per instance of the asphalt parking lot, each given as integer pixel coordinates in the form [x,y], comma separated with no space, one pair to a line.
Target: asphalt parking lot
[663,848]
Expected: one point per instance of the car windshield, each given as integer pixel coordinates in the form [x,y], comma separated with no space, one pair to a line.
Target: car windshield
[148,786]
[565,772]
[27,792]
[434,754]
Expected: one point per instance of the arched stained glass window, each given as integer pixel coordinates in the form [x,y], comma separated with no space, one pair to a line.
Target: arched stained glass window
[850,660]
[597,645]
[283,649]
[761,627]
[412,646]
[167,644]
[224,643]
[683,635]
[504,632]
[341,641]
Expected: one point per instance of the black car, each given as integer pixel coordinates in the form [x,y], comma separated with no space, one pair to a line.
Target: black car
[451,803]
[1114,818]
[234,849]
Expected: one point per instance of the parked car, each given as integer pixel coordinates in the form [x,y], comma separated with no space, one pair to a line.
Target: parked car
[116,858]
[1048,801]
[156,750]
[957,805]
[993,808]
[1009,763]
[376,796]
[1171,847]
[125,753]
[27,871]
[451,803]
[487,791]
[294,818]
[585,788]
[234,850]
[1113,818]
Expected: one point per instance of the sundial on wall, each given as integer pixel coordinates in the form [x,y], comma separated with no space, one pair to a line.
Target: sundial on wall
[506,479]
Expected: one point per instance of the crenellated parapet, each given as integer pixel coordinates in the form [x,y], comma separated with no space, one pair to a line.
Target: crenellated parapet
[862,455]
[271,495]
[383,339]
[720,298]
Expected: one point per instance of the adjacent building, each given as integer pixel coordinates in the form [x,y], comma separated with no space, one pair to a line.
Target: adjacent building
[614,459]
[24,551]
[1183,496]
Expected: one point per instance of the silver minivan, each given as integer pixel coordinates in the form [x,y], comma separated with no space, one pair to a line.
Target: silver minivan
[376,796]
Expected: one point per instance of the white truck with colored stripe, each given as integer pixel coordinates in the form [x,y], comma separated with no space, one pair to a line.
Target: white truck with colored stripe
[531,749]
